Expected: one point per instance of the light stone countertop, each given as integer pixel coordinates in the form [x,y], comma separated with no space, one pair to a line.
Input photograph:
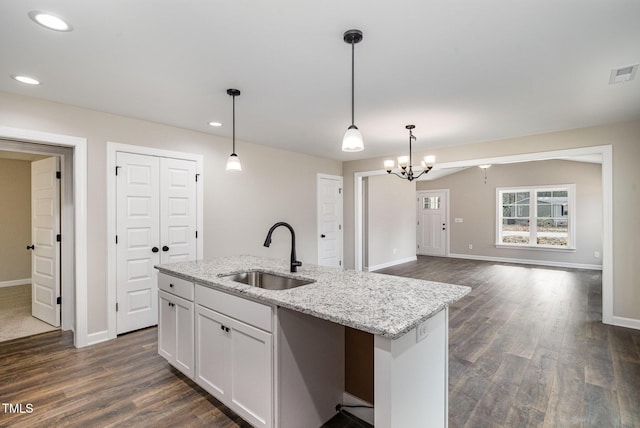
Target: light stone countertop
[384,305]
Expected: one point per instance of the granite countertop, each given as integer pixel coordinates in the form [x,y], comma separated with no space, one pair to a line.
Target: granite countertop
[384,305]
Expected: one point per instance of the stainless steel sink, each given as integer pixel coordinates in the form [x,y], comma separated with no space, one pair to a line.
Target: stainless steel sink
[268,281]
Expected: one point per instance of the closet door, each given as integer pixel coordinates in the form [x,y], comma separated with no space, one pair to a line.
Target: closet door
[138,230]
[177,210]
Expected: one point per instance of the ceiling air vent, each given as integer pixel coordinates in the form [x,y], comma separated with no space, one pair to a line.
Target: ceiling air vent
[623,74]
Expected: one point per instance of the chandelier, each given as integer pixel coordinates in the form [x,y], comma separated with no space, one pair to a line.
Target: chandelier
[405,165]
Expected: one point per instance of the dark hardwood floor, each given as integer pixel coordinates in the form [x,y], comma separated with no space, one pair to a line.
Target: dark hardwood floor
[527,349]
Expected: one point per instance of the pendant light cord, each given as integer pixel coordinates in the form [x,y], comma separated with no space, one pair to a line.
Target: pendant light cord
[234,124]
[353,121]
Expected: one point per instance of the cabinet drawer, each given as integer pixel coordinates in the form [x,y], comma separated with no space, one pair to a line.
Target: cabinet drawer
[179,287]
[247,311]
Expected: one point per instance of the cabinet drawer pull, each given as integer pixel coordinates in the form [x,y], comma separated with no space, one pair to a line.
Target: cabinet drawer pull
[171,285]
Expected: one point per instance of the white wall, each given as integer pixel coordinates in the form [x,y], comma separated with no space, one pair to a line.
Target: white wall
[15,220]
[475,202]
[391,221]
[274,185]
[625,140]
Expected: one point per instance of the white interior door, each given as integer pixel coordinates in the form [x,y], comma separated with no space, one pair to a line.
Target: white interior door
[138,235]
[45,227]
[177,210]
[329,220]
[432,223]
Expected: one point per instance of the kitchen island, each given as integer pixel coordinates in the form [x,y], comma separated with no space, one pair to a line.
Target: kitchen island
[301,335]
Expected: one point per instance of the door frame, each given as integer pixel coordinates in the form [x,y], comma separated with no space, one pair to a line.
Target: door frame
[446,215]
[606,151]
[74,284]
[340,180]
[112,149]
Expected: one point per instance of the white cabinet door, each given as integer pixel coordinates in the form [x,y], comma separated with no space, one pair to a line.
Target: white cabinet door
[213,353]
[185,345]
[175,332]
[252,371]
[234,362]
[166,327]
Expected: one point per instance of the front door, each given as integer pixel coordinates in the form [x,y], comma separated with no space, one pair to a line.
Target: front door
[45,241]
[432,223]
[329,220]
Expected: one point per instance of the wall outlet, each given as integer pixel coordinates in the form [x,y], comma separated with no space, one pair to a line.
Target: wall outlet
[422,331]
[596,254]
[471,246]
[394,251]
[459,219]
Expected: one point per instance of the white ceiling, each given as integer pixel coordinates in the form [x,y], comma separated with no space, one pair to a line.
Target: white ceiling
[462,71]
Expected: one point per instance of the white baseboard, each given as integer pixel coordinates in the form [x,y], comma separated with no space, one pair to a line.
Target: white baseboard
[15,282]
[97,337]
[527,261]
[626,322]
[391,263]
[365,414]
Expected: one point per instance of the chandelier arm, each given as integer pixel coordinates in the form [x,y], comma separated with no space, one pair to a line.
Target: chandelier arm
[397,175]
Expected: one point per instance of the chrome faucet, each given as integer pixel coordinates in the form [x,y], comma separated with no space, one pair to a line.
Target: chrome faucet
[267,242]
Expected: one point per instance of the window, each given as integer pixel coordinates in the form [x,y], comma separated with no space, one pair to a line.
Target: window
[431,202]
[536,217]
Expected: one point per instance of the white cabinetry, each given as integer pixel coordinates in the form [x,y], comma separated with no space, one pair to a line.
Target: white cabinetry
[176,323]
[234,353]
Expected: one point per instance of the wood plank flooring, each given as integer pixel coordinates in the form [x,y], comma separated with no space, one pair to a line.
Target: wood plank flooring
[527,349]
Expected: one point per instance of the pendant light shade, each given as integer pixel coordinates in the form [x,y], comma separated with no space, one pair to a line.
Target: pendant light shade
[352,140]
[233,163]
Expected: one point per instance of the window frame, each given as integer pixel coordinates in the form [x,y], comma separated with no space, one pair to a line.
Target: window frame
[533,217]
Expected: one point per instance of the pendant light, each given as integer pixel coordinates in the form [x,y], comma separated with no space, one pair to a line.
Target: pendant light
[405,162]
[233,163]
[352,140]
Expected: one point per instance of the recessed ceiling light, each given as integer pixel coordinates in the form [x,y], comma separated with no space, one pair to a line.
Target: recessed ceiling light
[623,74]
[26,80]
[216,124]
[49,21]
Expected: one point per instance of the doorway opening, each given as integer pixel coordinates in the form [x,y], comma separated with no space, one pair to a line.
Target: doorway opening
[607,215]
[72,152]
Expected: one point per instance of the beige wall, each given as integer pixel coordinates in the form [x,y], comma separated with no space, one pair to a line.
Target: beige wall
[625,140]
[390,201]
[274,185]
[15,219]
[475,202]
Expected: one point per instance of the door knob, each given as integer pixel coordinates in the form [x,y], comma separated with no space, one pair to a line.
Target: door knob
[323,236]
[165,248]
[155,250]
[31,247]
